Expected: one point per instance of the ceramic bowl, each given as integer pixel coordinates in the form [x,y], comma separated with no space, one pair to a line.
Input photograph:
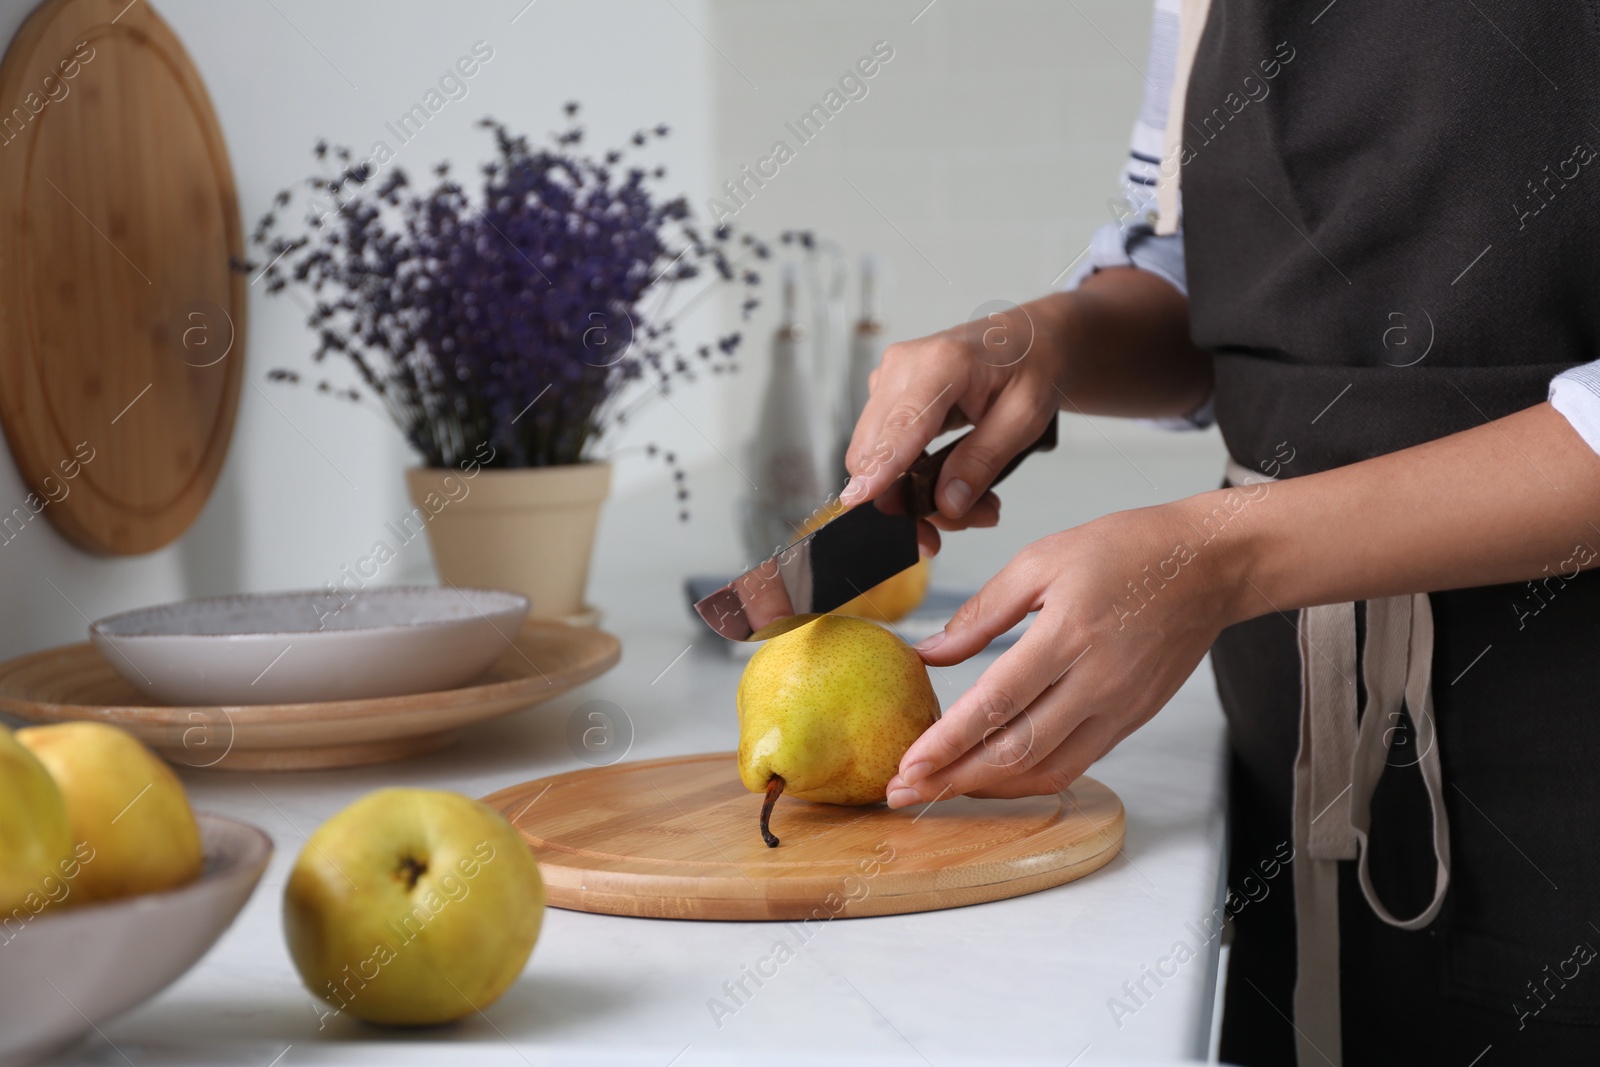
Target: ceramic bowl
[62,973]
[310,646]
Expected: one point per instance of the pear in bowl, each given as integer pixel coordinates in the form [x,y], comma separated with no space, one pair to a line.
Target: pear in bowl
[35,843]
[111,887]
[126,809]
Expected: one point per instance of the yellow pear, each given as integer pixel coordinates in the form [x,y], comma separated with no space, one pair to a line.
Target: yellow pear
[891,599]
[412,907]
[826,710]
[125,804]
[34,838]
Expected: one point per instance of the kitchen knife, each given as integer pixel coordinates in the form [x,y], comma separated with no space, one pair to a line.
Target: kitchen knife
[841,559]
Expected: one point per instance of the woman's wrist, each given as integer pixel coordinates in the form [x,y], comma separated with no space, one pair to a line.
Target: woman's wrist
[1035,339]
[1220,537]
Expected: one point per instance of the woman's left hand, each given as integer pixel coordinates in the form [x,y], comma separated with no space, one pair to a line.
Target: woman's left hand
[1128,605]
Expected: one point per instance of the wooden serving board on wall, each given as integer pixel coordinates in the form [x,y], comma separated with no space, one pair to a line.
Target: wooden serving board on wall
[678,839]
[122,322]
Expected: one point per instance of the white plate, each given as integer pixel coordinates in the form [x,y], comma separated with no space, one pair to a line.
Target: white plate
[310,646]
[65,971]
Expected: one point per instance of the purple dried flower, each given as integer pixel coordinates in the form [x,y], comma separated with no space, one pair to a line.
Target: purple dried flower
[517,318]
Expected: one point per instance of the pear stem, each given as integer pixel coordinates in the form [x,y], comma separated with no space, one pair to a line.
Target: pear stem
[774,789]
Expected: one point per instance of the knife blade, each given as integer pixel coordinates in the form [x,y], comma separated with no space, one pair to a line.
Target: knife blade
[842,558]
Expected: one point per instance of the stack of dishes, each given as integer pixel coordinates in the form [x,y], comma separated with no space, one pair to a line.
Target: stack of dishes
[319,678]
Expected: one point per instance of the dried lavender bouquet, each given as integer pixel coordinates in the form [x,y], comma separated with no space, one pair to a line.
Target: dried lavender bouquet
[532,318]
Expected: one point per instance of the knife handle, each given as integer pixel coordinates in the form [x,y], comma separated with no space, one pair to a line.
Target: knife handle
[923,476]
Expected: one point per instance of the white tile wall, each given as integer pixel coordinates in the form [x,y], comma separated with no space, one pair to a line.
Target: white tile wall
[981,158]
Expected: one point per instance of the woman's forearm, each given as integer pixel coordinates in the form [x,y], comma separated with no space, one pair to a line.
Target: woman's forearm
[1128,348]
[1117,345]
[1514,499]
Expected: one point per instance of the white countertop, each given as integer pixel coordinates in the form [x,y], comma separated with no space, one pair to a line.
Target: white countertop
[1033,979]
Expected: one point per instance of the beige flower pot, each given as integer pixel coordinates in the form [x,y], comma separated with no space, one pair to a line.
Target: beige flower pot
[529,530]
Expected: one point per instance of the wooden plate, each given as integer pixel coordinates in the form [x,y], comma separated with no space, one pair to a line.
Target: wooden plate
[678,839]
[75,682]
[122,324]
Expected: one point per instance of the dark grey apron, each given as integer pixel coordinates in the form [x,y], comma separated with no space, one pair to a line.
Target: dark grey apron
[1397,238]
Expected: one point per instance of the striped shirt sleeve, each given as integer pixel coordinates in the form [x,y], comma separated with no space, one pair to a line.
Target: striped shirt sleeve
[1129,239]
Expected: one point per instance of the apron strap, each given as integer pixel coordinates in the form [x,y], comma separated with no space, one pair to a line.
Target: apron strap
[1336,771]
[1322,831]
[1191,24]
[1399,651]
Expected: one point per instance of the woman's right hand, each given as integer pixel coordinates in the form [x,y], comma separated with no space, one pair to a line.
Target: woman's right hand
[995,374]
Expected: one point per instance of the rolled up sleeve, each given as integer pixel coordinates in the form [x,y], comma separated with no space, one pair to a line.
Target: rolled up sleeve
[1130,239]
[1576,394]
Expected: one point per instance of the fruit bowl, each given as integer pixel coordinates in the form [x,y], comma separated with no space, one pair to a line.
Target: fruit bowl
[64,972]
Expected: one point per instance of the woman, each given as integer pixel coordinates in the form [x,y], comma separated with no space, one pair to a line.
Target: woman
[1386,285]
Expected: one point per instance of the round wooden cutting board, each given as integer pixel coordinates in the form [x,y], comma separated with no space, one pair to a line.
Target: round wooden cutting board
[122,323]
[678,839]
